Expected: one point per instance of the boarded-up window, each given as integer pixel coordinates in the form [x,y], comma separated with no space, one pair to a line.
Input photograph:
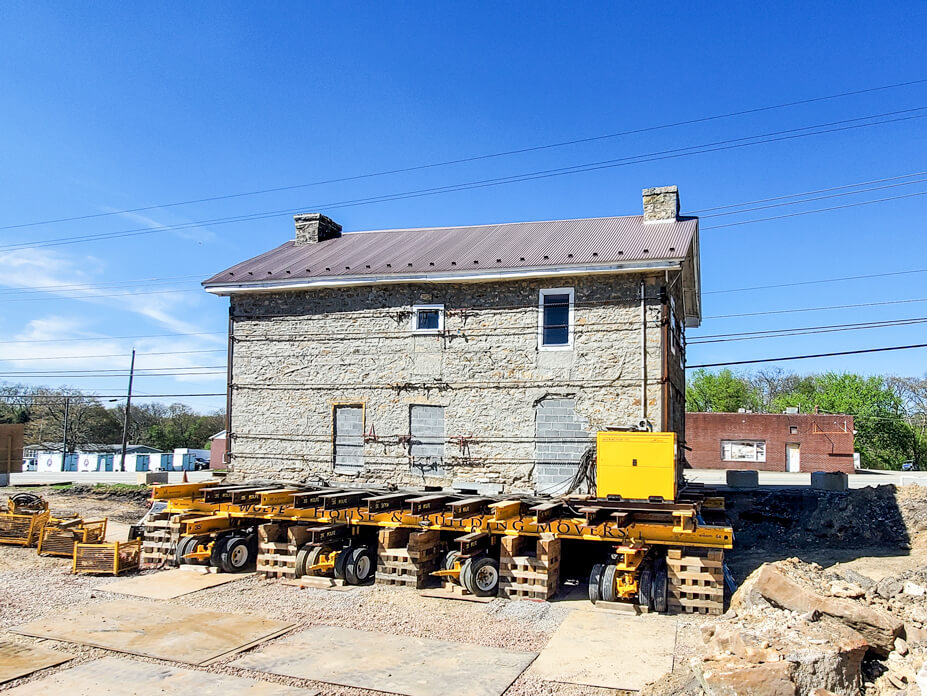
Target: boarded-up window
[348,422]
[426,425]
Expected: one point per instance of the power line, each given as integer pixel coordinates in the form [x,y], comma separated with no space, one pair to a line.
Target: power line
[474,158]
[113,355]
[94,296]
[806,357]
[784,333]
[718,146]
[59,397]
[817,282]
[808,193]
[115,338]
[111,284]
[814,309]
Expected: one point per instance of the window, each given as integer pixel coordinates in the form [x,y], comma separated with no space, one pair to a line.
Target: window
[428,319]
[743,450]
[555,320]
[793,430]
[348,438]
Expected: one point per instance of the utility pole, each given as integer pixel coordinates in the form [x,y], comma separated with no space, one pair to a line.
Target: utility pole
[125,422]
[64,439]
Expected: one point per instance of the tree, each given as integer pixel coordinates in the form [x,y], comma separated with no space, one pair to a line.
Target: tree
[884,438]
[913,394]
[722,392]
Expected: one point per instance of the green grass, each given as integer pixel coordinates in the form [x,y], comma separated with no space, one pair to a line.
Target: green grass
[119,488]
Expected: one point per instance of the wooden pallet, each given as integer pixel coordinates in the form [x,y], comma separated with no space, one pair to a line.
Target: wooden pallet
[110,558]
[159,543]
[406,558]
[526,573]
[59,536]
[276,557]
[695,581]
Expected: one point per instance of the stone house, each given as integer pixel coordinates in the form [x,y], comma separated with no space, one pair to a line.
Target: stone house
[482,357]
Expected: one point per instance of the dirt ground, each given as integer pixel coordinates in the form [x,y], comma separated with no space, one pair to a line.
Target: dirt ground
[33,587]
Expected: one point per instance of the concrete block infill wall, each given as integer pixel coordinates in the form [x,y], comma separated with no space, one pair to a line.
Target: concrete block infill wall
[562,438]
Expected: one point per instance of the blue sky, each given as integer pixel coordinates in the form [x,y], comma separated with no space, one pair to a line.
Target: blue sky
[110,106]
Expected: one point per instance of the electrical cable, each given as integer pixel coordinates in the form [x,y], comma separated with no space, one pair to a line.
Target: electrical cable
[718,146]
[474,158]
[806,357]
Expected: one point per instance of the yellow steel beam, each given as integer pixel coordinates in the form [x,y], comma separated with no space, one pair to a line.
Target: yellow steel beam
[516,524]
[171,491]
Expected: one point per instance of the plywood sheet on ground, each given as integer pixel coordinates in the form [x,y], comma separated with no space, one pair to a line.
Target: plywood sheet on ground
[168,584]
[398,664]
[609,650]
[19,660]
[120,677]
[167,632]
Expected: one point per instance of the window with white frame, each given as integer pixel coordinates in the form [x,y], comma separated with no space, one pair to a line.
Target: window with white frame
[743,450]
[428,319]
[555,320]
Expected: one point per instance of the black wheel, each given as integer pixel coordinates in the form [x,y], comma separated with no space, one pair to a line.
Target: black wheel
[594,577]
[607,583]
[481,576]
[181,549]
[464,577]
[645,587]
[360,566]
[341,560]
[658,593]
[450,559]
[215,558]
[236,555]
[309,556]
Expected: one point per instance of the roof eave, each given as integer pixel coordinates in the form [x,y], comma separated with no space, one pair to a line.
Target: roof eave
[261,286]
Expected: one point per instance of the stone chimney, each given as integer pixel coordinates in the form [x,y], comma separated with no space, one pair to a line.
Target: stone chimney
[312,228]
[661,204]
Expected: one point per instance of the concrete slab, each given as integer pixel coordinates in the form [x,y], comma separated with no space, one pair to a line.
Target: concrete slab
[115,676]
[609,650]
[167,632]
[397,664]
[19,660]
[168,584]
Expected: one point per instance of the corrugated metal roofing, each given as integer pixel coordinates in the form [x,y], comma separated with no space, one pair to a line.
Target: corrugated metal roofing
[471,249]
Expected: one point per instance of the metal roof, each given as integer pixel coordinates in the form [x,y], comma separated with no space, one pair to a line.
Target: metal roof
[430,254]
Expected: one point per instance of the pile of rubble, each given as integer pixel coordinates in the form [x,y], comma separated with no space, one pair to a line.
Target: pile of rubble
[794,629]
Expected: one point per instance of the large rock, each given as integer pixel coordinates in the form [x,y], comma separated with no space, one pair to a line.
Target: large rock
[736,677]
[769,585]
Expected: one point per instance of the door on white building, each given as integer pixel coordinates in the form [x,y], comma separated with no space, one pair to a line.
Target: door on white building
[793,457]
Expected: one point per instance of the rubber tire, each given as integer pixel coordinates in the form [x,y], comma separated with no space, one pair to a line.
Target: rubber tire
[465,575]
[607,584]
[659,587]
[594,577]
[302,556]
[181,549]
[355,556]
[472,569]
[218,546]
[645,587]
[449,559]
[192,541]
[228,552]
[340,562]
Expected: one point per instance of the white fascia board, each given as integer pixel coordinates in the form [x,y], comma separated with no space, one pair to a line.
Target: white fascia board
[479,277]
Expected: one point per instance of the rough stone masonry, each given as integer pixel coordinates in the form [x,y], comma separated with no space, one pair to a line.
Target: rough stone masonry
[331,384]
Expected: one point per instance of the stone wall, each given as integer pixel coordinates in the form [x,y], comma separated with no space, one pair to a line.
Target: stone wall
[297,355]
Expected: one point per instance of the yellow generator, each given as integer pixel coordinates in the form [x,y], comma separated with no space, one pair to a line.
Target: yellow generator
[636,465]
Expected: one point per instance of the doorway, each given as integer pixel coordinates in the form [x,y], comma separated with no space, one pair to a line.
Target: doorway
[793,457]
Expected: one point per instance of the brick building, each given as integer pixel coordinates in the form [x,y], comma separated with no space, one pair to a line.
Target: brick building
[770,441]
[481,357]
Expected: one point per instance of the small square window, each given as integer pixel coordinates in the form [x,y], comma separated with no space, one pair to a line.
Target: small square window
[427,319]
[793,430]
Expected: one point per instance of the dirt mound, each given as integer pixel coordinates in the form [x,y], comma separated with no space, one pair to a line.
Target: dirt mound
[807,518]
